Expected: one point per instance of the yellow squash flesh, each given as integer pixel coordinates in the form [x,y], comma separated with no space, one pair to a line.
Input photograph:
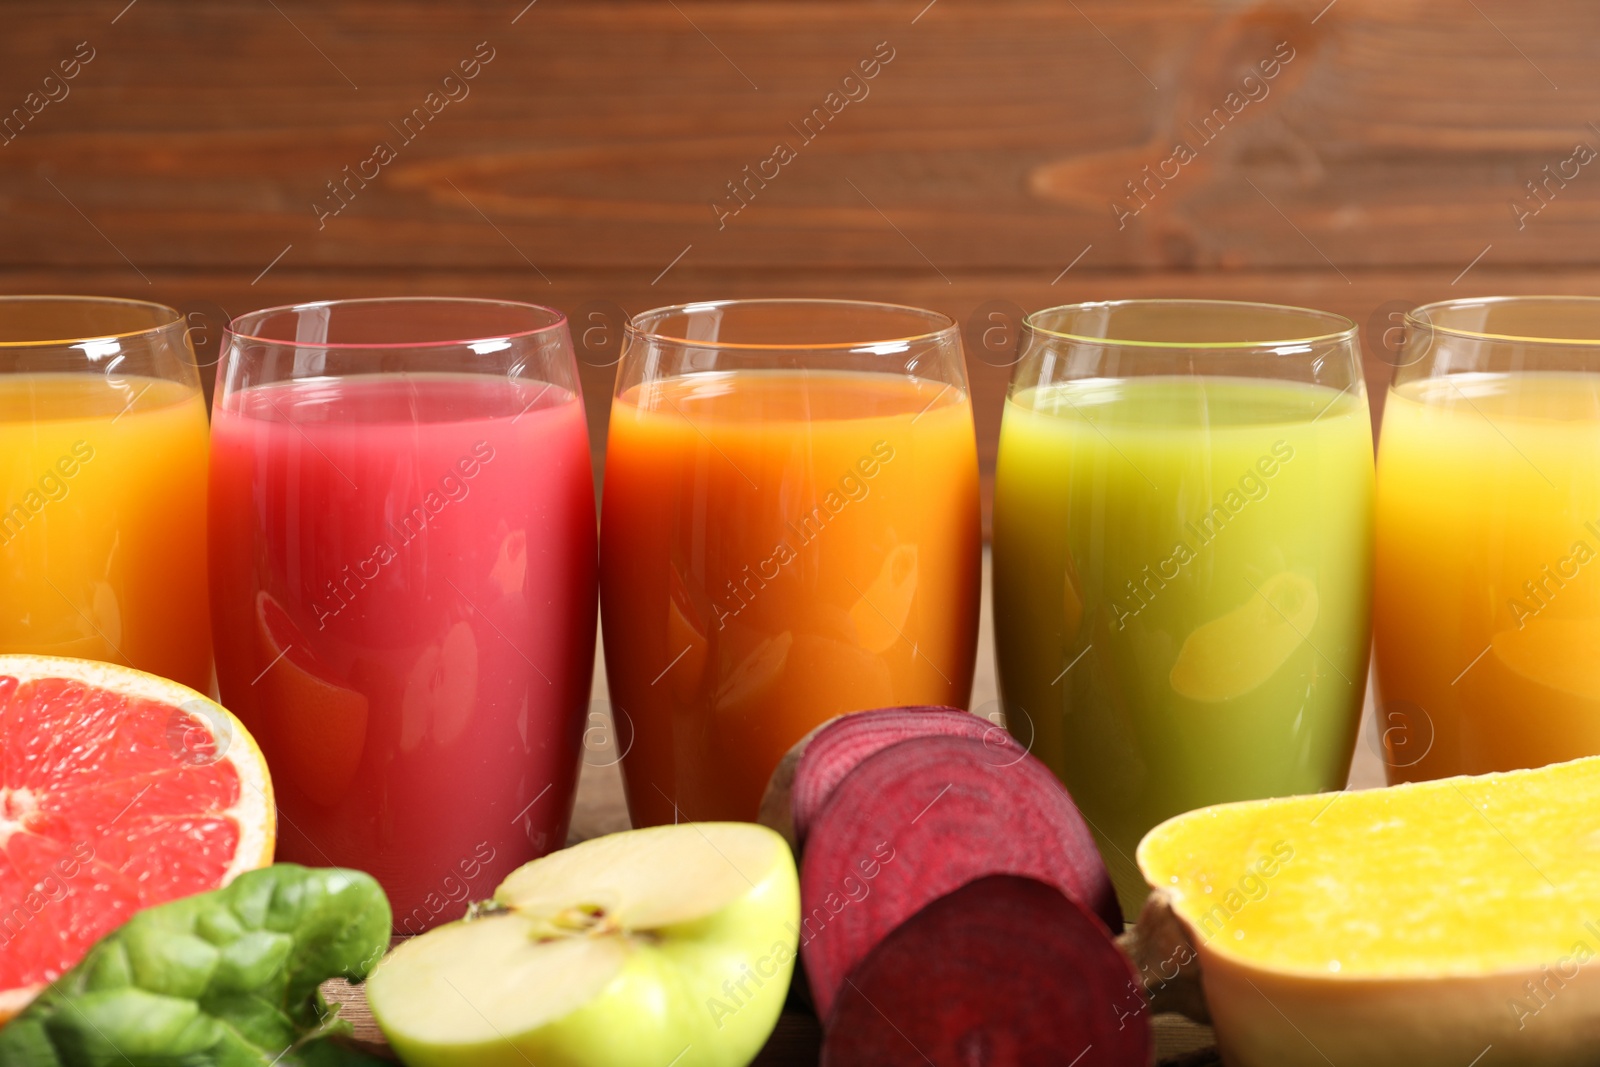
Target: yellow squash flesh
[1444,923]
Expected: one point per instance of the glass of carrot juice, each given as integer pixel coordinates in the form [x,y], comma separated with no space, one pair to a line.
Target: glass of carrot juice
[103,485]
[403,584]
[1183,557]
[789,531]
[1487,611]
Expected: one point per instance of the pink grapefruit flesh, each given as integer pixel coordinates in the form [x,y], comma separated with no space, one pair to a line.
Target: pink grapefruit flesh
[118,790]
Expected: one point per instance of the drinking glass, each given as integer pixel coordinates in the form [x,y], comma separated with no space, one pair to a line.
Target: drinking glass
[403,583]
[102,485]
[1182,557]
[1488,594]
[789,531]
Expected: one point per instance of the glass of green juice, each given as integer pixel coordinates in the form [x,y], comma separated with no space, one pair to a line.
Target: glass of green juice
[1183,540]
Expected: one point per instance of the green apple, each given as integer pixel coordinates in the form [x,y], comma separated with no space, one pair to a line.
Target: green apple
[671,946]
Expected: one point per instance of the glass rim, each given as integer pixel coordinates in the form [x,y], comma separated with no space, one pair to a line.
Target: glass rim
[1414,318]
[949,325]
[558,321]
[1347,328]
[102,301]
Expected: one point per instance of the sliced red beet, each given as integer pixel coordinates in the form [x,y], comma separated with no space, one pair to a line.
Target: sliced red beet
[840,746]
[1003,972]
[920,819]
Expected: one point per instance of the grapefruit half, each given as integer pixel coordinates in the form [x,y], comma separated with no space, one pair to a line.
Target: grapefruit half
[118,791]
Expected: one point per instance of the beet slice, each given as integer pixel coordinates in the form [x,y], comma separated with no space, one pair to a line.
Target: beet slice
[1003,972]
[920,819]
[841,744]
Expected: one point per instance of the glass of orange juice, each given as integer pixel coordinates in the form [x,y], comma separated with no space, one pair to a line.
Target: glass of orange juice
[1487,605]
[789,531]
[103,485]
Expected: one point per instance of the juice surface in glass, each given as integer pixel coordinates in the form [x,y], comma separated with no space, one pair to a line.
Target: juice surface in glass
[403,569]
[1182,573]
[102,522]
[778,548]
[1487,612]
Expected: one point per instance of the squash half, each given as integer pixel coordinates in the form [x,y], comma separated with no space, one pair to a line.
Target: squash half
[1449,923]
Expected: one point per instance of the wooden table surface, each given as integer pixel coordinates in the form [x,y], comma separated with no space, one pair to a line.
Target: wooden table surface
[601,810]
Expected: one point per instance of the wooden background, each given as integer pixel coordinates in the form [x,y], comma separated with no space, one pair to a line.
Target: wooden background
[977,176]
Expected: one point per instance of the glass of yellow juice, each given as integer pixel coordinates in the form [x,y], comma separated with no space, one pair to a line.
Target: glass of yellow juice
[1183,557]
[103,445]
[1487,598]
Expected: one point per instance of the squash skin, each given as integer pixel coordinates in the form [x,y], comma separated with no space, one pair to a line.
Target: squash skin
[1270,1018]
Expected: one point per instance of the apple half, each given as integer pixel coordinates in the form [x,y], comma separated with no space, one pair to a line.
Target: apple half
[667,945]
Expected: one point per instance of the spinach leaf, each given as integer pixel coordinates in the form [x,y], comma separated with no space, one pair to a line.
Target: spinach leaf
[221,979]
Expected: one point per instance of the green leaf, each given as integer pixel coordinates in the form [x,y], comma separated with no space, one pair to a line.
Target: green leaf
[222,979]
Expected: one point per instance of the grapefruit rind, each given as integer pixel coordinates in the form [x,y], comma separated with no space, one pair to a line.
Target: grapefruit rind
[254,813]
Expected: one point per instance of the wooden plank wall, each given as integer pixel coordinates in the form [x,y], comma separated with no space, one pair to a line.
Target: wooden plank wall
[1358,155]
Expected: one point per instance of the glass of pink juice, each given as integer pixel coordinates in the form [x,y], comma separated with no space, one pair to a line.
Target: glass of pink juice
[403,584]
